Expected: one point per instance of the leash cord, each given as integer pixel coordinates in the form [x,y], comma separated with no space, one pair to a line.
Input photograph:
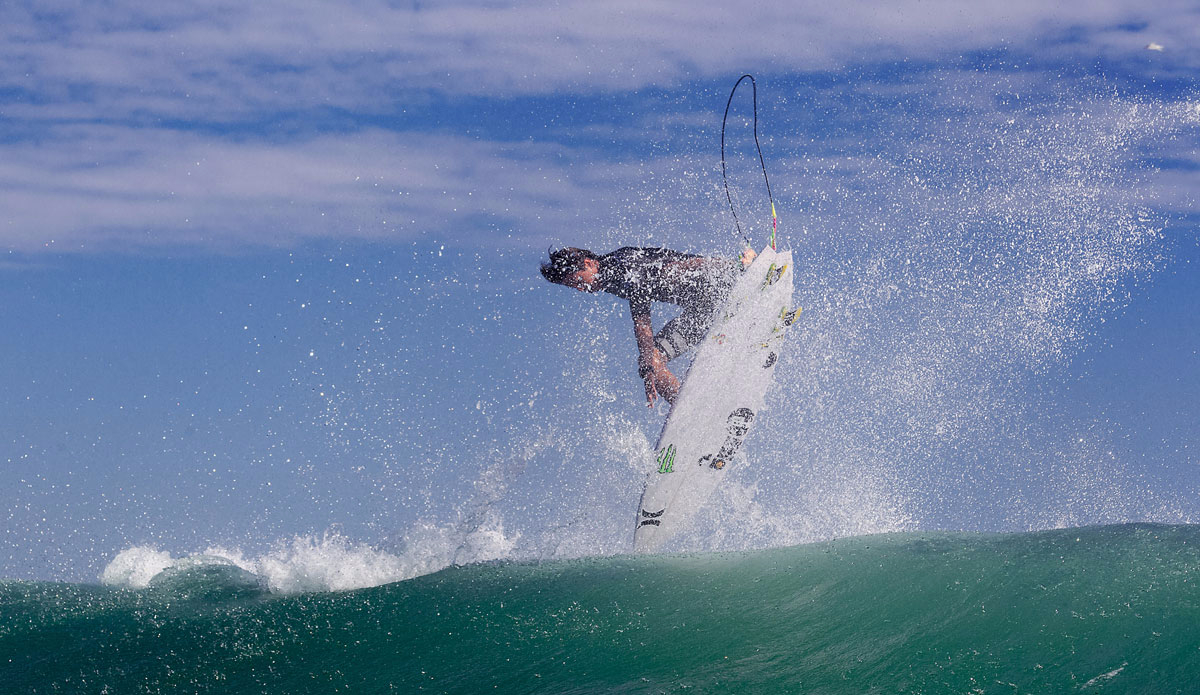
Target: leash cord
[724,176]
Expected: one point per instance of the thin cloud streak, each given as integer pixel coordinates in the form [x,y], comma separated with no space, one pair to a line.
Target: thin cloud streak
[153,188]
[106,187]
[235,59]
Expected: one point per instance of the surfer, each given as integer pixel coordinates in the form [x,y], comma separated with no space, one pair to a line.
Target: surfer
[697,284]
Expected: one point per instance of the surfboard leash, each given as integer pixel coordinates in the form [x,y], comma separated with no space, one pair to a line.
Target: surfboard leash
[725,178]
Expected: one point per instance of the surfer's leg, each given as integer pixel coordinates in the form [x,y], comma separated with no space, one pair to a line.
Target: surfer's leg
[684,331]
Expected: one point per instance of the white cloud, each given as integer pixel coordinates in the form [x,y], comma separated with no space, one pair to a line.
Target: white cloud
[147,125]
[99,186]
[96,187]
[230,59]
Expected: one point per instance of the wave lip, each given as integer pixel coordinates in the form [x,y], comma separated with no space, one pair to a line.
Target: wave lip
[305,564]
[330,562]
[134,567]
[207,578]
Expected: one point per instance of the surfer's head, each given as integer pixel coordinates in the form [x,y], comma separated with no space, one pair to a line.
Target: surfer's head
[575,268]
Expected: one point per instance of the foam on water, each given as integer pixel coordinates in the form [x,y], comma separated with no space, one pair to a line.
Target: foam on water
[330,562]
[135,567]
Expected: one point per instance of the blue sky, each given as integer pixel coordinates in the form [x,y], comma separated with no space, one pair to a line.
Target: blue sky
[271,270]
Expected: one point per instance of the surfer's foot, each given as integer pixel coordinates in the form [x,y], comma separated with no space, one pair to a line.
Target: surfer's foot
[747,257]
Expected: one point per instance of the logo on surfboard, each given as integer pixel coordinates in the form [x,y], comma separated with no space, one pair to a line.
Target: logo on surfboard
[650,518]
[773,274]
[666,459]
[739,425]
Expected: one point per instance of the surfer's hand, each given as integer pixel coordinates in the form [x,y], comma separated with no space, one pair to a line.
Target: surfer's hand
[661,382]
[748,256]
[666,384]
[651,392]
[649,362]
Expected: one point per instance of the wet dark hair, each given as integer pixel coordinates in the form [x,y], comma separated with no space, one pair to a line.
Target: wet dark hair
[565,262]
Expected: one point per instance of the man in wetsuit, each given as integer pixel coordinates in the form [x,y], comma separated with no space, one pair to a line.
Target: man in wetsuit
[644,275]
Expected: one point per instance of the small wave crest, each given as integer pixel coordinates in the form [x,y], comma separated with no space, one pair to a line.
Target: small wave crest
[310,563]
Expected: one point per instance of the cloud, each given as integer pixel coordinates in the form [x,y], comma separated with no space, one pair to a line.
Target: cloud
[130,125]
[88,187]
[224,60]
[99,187]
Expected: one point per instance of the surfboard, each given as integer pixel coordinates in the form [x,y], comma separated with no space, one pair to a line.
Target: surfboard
[721,396]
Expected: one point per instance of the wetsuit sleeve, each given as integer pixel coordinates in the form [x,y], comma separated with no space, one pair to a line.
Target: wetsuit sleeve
[639,306]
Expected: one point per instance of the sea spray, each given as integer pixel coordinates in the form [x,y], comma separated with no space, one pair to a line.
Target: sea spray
[950,273]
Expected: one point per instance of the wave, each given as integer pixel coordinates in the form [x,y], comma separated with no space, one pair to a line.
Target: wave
[330,562]
[1097,609]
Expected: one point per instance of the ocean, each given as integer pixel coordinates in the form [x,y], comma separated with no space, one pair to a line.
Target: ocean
[1104,609]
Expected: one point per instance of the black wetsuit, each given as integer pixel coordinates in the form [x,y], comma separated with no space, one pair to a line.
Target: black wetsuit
[696,283]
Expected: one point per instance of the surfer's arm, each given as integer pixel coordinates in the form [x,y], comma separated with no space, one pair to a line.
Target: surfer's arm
[649,360]
[652,366]
[716,265]
[643,333]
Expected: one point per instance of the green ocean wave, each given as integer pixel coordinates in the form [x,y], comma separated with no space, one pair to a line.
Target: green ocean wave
[1108,609]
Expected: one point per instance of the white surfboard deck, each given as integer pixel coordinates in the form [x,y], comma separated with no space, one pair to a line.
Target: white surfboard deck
[721,396]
